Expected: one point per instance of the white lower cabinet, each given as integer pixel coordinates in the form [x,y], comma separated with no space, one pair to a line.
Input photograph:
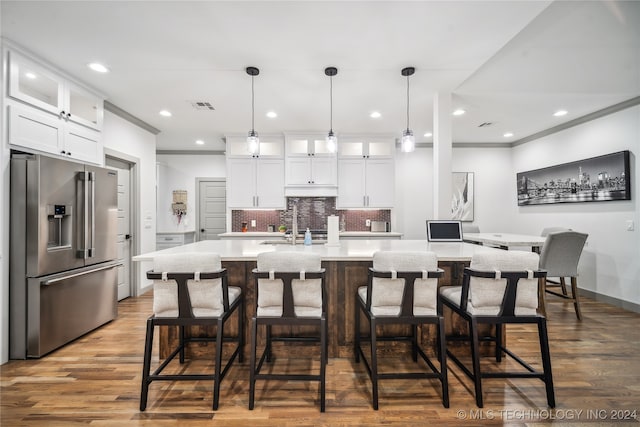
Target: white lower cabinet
[170,240]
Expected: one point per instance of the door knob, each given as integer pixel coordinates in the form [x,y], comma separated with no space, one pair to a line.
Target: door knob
[127,236]
[202,230]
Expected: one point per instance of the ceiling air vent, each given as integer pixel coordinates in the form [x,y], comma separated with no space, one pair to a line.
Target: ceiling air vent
[485,124]
[202,105]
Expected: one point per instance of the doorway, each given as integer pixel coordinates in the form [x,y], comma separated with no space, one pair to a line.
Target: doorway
[212,208]
[124,239]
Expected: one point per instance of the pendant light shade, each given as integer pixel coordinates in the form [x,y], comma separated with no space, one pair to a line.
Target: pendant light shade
[408,143]
[332,140]
[253,142]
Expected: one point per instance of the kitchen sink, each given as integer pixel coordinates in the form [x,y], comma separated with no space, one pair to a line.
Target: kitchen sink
[288,242]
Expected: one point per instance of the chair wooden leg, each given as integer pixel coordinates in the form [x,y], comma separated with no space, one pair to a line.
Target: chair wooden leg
[323,360]
[442,357]
[356,335]
[374,363]
[475,358]
[563,286]
[241,330]
[218,363]
[574,293]
[499,335]
[414,342]
[268,343]
[146,366]
[252,363]
[182,340]
[542,285]
[546,362]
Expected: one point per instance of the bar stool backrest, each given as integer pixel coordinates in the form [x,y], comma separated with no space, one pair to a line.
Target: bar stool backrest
[307,292]
[486,295]
[387,294]
[561,252]
[205,295]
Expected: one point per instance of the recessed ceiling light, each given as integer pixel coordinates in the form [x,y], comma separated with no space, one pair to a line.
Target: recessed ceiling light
[272,114]
[560,113]
[30,75]
[508,134]
[375,115]
[459,112]
[428,134]
[199,142]
[165,113]
[96,66]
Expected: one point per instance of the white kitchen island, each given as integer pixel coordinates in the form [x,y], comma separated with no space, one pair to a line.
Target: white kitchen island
[347,267]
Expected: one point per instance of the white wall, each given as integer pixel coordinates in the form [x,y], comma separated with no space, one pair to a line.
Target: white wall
[122,136]
[179,172]
[494,189]
[610,264]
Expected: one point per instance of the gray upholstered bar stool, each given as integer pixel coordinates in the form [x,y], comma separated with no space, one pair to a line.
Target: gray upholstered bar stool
[559,256]
[402,290]
[290,291]
[499,288]
[190,289]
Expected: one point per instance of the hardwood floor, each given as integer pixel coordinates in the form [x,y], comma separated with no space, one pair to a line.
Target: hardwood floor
[96,381]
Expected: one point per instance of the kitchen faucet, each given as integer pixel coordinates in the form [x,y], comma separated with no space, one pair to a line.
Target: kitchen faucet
[294,225]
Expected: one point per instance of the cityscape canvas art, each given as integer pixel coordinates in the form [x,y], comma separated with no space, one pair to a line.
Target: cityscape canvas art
[595,179]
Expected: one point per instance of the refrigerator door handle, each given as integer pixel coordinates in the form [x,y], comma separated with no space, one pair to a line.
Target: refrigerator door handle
[82,273]
[92,248]
[82,252]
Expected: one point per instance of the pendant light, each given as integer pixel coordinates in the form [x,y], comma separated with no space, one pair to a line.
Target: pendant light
[408,140]
[253,142]
[332,140]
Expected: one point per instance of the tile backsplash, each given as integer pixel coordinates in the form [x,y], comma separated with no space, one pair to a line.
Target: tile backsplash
[312,213]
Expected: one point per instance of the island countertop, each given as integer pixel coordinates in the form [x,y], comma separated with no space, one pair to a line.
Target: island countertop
[348,250]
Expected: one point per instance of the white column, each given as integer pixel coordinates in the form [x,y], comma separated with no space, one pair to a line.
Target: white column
[442,148]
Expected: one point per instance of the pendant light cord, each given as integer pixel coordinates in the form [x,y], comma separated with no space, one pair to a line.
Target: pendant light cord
[252,106]
[331,103]
[407,102]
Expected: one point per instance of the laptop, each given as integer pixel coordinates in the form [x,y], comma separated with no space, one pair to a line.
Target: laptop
[444,231]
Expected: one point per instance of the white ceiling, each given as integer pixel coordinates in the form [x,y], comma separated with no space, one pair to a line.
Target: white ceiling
[512,63]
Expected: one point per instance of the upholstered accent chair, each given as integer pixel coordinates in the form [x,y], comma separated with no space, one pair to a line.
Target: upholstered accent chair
[499,288]
[290,291]
[191,289]
[559,256]
[402,290]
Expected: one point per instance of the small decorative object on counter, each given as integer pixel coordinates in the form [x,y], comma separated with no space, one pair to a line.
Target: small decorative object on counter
[282,228]
[307,237]
[271,228]
[244,227]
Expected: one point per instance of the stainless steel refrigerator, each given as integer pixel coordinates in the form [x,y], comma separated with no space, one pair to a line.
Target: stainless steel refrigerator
[63,273]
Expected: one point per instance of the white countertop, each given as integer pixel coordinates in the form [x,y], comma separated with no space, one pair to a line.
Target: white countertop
[348,250]
[505,239]
[274,235]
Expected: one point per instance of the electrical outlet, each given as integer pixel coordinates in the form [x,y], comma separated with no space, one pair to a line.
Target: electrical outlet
[368,223]
[253,223]
[630,225]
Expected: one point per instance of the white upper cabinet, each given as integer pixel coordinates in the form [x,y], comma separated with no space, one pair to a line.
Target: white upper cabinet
[310,168]
[255,180]
[366,175]
[270,146]
[49,113]
[35,85]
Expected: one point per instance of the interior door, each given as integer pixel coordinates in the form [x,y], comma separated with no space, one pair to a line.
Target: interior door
[123,243]
[212,215]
